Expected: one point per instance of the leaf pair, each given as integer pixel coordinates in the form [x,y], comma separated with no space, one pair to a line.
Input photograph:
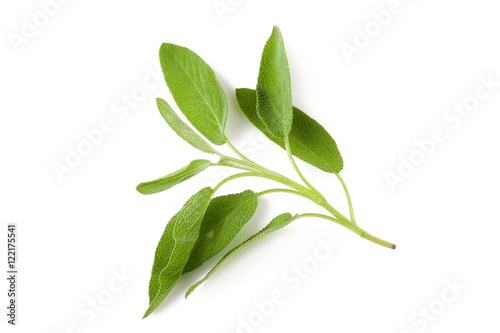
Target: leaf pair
[174,248]
[309,141]
[198,94]
[200,230]
[270,109]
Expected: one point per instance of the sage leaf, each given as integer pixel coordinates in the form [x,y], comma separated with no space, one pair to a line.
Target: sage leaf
[196,91]
[174,178]
[175,245]
[309,141]
[274,88]
[277,223]
[224,218]
[181,128]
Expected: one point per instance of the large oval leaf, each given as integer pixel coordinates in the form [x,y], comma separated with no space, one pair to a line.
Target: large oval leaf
[181,128]
[224,218]
[195,90]
[309,141]
[274,88]
[174,178]
[277,223]
[175,245]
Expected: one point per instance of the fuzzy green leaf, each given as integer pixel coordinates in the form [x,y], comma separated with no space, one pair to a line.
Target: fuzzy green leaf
[274,88]
[309,141]
[174,178]
[277,223]
[195,90]
[224,218]
[181,128]
[175,246]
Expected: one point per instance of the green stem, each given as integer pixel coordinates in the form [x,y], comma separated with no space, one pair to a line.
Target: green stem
[316,197]
[236,151]
[304,191]
[242,167]
[301,191]
[353,228]
[292,160]
[351,209]
[322,201]
[311,193]
[283,190]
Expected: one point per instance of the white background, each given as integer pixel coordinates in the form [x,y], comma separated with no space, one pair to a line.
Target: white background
[74,233]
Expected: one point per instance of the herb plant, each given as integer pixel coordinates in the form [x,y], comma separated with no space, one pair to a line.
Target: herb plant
[206,224]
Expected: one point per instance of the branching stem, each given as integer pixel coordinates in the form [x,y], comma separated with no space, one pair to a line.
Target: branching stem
[310,192]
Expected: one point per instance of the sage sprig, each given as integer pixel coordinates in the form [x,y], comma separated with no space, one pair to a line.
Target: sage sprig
[206,224]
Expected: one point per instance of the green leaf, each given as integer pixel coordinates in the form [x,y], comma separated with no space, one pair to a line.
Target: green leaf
[309,141]
[175,245]
[224,218]
[277,223]
[181,128]
[274,88]
[174,178]
[195,90]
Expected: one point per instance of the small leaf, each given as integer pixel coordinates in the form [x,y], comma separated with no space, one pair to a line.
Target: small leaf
[174,178]
[274,88]
[309,141]
[181,128]
[277,223]
[224,218]
[196,90]
[175,245]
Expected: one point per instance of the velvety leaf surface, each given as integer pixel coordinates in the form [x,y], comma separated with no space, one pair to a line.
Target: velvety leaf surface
[274,88]
[224,218]
[181,128]
[174,178]
[196,90]
[175,246]
[309,141]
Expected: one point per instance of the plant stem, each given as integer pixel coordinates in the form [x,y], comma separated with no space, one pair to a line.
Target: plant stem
[292,160]
[303,190]
[309,192]
[351,210]
[284,190]
[236,151]
[322,201]
[352,227]
[242,167]
[314,196]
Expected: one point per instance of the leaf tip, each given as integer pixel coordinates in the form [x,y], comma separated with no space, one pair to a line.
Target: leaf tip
[192,288]
[148,312]
[140,188]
